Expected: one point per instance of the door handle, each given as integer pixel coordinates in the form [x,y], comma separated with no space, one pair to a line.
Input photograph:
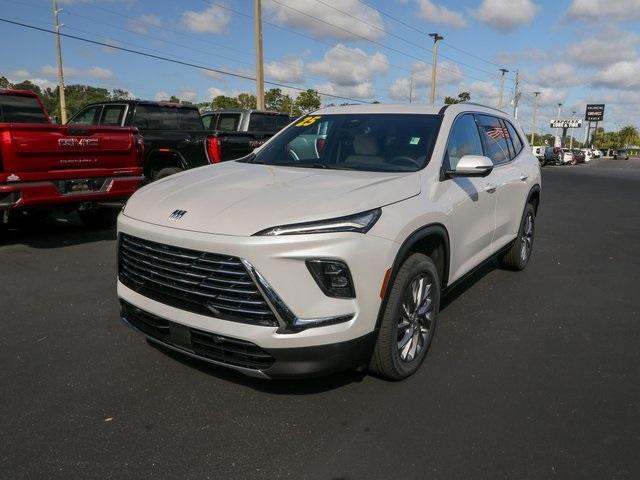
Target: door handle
[523,177]
[490,188]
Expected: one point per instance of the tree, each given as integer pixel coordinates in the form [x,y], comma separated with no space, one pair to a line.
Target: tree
[246,100]
[223,102]
[119,94]
[308,101]
[273,99]
[462,97]
[628,135]
[4,83]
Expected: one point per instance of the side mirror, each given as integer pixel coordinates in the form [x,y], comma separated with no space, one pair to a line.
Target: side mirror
[472,166]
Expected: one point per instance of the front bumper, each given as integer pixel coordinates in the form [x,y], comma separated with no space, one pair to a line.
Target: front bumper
[246,357]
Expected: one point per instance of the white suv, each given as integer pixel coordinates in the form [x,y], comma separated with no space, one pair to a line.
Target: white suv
[330,246]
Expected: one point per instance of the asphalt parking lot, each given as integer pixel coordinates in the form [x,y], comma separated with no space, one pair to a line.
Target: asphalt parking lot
[531,375]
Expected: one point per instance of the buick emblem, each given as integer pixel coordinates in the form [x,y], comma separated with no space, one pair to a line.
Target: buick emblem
[177,215]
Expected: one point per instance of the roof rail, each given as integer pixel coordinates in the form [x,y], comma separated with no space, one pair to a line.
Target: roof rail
[485,106]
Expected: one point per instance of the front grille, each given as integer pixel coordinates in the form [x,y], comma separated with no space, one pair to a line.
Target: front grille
[199,282]
[226,350]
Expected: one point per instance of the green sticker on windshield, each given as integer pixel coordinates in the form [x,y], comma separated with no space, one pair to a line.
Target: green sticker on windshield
[414,141]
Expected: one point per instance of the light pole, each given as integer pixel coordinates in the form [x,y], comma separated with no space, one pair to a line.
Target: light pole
[573,114]
[436,37]
[63,103]
[503,71]
[558,129]
[535,111]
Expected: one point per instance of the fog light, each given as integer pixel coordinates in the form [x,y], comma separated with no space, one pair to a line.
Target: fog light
[333,278]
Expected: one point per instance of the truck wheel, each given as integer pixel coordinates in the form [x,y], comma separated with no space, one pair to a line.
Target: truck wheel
[99,218]
[409,320]
[518,255]
[165,172]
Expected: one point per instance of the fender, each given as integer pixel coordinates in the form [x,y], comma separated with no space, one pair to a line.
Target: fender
[161,152]
[534,190]
[435,229]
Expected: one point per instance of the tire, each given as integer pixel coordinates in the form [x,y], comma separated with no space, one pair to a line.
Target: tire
[389,359]
[99,218]
[166,172]
[518,255]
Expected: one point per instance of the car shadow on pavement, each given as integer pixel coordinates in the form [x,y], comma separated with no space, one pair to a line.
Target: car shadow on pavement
[53,232]
[452,293]
[302,386]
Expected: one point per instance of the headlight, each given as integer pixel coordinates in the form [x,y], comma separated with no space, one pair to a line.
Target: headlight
[360,223]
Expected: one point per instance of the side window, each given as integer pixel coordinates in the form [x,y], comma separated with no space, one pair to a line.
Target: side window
[112,115]
[228,122]
[495,138]
[515,138]
[88,116]
[209,121]
[464,140]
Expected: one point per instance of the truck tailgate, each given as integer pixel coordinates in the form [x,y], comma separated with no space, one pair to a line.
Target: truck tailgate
[47,148]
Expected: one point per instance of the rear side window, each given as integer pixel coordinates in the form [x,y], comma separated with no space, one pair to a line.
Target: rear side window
[495,137]
[515,138]
[88,116]
[464,140]
[18,109]
[270,123]
[209,121]
[160,117]
[228,122]
[112,115]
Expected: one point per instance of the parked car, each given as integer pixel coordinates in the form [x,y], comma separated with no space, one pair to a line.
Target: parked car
[296,261]
[42,166]
[595,153]
[538,151]
[621,154]
[565,156]
[236,132]
[578,156]
[588,154]
[174,137]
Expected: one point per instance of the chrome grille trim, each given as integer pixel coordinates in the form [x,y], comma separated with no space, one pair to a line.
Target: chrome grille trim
[200,282]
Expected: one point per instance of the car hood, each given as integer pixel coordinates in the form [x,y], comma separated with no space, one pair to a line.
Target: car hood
[235,198]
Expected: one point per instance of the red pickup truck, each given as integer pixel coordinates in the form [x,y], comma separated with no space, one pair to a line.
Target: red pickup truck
[43,165]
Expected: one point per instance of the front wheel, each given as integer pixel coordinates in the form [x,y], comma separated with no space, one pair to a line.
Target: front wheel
[409,319]
[518,255]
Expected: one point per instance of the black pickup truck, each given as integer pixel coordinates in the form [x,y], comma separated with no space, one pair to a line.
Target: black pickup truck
[236,132]
[175,138]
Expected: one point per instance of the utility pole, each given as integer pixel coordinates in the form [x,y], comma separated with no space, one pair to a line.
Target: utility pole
[259,57]
[63,103]
[573,114]
[436,37]
[411,89]
[503,71]
[516,94]
[535,111]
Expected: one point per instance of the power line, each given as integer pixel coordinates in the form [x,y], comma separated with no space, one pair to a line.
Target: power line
[171,60]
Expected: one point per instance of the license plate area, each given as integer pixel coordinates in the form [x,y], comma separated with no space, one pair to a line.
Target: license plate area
[81,185]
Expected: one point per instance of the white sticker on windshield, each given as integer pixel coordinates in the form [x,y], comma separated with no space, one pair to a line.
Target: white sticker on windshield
[414,141]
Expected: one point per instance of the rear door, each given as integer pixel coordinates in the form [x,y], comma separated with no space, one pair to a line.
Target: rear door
[473,199]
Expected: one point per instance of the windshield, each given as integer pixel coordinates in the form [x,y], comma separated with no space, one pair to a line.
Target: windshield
[161,117]
[372,142]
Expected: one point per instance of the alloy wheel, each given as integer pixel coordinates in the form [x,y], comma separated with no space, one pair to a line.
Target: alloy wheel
[526,239]
[415,325]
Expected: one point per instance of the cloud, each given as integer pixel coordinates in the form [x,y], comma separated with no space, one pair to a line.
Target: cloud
[161,96]
[531,55]
[329,23]
[603,49]
[188,94]
[214,19]
[560,75]
[97,73]
[506,15]
[620,75]
[433,12]
[349,66]
[604,10]
[288,70]
[22,74]
[215,92]
[359,90]
[145,23]
[448,74]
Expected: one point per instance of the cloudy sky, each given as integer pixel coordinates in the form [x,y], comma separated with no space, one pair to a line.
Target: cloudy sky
[573,51]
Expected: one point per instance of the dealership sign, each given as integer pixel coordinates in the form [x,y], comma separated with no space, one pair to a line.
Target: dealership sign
[594,113]
[570,123]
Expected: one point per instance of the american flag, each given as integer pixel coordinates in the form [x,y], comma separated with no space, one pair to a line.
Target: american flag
[497,132]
